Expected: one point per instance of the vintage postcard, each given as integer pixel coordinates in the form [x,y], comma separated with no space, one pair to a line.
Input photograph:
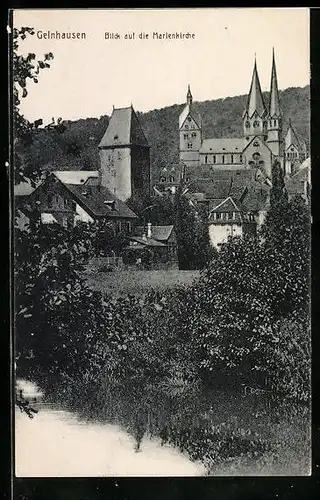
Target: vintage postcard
[161,221]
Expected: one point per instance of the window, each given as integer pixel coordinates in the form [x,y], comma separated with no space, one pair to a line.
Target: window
[233,215]
[222,158]
[189,145]
[119,155]
[189,118]
[206,159]
[49,200]
[231,158]
[218,216]
[256,156]
[186,136]
[240,158]
[214,158]
[171,178]
[247,124]
[193,134]
[265,124]
[186,127]
[256,144]
[256,123]
[163,179]
[274,123]
[226,215]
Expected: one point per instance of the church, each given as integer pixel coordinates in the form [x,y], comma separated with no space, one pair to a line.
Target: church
[263,140]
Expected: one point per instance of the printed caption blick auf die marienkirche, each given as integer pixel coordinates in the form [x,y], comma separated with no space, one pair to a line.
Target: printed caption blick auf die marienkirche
[114,35]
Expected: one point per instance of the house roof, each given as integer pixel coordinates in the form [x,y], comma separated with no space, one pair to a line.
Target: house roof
[123,129]
[190,109]
[160,233]
[227,205]
[97,201]
[75,176]
[147,241]
[223,145]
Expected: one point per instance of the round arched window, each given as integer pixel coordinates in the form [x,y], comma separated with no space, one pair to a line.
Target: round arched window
[256,123]
[247,124]
[256,156]
[189,118]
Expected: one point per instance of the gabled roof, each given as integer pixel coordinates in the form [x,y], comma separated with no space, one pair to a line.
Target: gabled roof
[124,129]
[191,110]
[223,145]
[255,102]
[147,241]
[227,205]
[160,233]
[274,104]
[97,201]
[75,176]
[291,138]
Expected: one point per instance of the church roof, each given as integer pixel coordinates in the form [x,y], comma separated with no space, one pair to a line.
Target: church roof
[291,138]
[255,102]
[123,129]
[191,110]
[223,145]
[274,104]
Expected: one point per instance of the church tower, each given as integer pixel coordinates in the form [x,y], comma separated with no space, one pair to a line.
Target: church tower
[190,133]
[255,113]
[274,139]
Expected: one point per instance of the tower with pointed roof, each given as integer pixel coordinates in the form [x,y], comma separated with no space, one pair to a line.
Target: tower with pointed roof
[190,133]
[295,150]
[274,139]
[255,113]
[125,156]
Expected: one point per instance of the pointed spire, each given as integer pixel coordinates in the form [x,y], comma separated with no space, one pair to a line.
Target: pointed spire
[291,137]
[255,98]
[189,96]
[274,107]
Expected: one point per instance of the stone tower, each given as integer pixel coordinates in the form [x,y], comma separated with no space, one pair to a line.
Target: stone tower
[125,156]
[255,113]
[274,139]
[190,133]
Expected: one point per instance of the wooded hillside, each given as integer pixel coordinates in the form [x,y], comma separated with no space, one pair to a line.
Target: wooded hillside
[77,147]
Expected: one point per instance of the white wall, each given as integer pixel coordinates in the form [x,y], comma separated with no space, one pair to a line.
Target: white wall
[219,233]
[82,215]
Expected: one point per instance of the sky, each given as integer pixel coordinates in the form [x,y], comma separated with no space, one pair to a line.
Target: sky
[89,76]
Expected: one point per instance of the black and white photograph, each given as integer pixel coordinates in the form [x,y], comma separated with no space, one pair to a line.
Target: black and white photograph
[161,221]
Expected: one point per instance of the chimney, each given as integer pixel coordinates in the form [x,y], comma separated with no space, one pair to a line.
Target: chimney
[149,230]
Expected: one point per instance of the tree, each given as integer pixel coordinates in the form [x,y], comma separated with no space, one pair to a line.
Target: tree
[24,70]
